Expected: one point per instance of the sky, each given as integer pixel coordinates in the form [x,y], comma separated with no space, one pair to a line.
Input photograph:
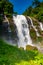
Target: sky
[21,5]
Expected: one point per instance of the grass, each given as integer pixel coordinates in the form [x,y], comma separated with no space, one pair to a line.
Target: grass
[10,55]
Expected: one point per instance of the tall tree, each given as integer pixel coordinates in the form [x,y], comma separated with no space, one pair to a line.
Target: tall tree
[6,7]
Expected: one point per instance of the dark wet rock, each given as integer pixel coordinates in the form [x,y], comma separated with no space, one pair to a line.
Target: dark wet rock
[28,21]
[9,30]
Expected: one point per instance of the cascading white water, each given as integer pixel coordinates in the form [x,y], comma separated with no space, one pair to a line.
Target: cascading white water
[41,26]
[22,31]
[34,27]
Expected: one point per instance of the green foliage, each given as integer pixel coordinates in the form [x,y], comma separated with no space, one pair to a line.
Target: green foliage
[36,11]
[28,11]
[40,16]
[6,7]
[39,39]
[10,55]
[36,3]
[33,35]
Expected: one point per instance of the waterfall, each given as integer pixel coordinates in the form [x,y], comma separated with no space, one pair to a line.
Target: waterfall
[21,28]
[34,27]
[22,31]
[41,26]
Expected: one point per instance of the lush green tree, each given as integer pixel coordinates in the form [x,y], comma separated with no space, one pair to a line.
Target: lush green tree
[35,3]
[6,7]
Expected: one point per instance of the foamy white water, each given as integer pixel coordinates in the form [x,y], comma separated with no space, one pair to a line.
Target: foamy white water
[23,31]
[41,26]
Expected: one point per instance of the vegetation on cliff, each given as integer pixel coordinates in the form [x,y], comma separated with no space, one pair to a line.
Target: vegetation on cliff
[35,10]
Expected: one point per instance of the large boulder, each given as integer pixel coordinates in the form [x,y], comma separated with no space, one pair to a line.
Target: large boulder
[28,47]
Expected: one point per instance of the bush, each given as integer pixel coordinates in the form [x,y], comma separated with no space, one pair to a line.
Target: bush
[40,16]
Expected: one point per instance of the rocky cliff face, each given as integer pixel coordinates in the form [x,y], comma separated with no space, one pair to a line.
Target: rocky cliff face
[9,30]
[35,31]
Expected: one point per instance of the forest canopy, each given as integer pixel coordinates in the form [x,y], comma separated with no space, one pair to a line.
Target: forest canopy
[6,7]
[35,10]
